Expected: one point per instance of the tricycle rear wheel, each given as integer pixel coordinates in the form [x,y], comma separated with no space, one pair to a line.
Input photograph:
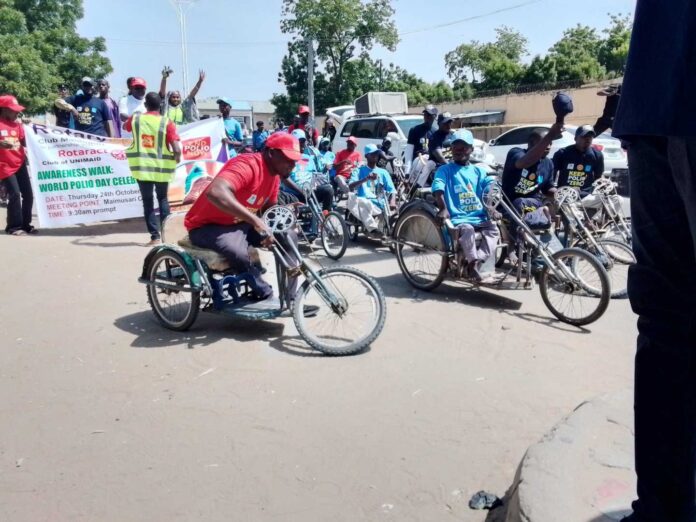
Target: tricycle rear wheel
[170,291]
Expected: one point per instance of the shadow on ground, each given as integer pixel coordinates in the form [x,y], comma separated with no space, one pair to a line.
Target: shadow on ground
[127,226]
[549,321]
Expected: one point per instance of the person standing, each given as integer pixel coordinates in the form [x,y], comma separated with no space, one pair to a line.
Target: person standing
[14,176]
[233,129]
[177,110]
[302,121]
[63,116]
[103,89]
[90,113]
[417,136]
[655,117]
[259,137]
[133,103]
[152,157]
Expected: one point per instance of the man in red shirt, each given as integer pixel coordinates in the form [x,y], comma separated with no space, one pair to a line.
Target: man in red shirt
[13,168]
[304,114]
[346,161]
[225,217]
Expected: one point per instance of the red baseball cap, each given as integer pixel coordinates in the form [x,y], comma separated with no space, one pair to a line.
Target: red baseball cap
[7,101]
[303,109]
[352,139]
[288,144]
[138,82]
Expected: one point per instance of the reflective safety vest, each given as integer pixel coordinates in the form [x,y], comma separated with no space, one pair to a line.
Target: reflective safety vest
[176,114]
[149,157]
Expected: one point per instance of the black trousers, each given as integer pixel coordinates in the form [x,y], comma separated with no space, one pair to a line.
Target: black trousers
[662,290]
[20,200]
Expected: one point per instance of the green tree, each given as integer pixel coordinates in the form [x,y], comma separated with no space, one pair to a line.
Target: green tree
[540,71]
[613,51]
[340,28]
[41,48]
[576,55]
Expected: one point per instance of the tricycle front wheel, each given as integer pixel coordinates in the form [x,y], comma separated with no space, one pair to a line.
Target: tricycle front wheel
[170,292]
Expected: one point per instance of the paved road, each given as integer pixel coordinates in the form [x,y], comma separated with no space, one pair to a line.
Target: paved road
[108,417]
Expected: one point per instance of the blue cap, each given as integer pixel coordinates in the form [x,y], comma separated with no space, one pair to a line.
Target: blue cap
[371,148]
[225,100]
[299,134]
[462,135]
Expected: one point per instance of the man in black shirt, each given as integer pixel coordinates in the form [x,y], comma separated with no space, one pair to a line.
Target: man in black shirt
[418,134]
[91,113]
[62,116]
[437,139]
[579,165]
[656,118]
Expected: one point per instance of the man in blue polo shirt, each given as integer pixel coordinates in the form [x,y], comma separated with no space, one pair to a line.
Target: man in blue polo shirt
[458,188]
[363,202]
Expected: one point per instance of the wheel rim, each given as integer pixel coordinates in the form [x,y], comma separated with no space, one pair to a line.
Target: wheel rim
[171,306]
[420,248]
[621,258]
[355,325]
[575,301]
[333,235]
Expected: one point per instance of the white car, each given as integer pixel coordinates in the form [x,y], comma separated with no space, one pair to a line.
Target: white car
[375,127]
[340,113]
[614,156]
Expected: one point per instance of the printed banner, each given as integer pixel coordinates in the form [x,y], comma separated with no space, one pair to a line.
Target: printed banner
[81,178]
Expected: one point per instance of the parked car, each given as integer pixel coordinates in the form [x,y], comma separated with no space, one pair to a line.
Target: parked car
[614,156]
[375,127]
[340,113]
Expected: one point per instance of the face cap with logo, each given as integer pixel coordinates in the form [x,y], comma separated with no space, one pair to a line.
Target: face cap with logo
[287,144]
[7,101]
[463,135]
[138,82]
[371,148]
[585,130]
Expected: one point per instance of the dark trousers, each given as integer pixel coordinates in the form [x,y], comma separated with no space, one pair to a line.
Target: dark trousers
[146,191]
[324,194]
[232,241]
[20,199]
[662,290]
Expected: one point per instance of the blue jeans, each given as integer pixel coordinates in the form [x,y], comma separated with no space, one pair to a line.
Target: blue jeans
[662,290]
[146,189]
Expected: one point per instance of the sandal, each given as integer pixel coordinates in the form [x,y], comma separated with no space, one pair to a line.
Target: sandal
[19,232]
[31,230]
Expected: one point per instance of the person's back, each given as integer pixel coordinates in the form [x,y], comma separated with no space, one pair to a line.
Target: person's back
[655,117]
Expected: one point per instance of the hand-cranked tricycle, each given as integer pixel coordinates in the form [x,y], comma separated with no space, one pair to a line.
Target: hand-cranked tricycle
[347,308]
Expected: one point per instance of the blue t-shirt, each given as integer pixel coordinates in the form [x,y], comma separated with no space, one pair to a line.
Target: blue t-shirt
[463,187]
[259,139]
[233,131]
[529,182]
[328,158]
[305,169]
[368,189]
[93,114]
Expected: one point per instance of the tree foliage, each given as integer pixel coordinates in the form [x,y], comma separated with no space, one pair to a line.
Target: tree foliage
[41,49]
[576,54]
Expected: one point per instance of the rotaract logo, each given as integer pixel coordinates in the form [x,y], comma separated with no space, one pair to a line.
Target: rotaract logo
[119,155]
[197,148]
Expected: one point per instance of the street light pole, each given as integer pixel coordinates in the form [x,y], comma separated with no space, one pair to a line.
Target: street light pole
[310,76]
[180,6]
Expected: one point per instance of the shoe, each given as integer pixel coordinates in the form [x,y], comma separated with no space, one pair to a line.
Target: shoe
[31,230]
[375,234]
[19,232]
[153,243]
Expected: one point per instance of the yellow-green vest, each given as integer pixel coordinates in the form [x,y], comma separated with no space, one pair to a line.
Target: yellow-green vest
[176,114]
[149,157]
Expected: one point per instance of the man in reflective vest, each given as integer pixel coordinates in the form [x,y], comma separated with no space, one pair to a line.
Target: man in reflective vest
[152,158]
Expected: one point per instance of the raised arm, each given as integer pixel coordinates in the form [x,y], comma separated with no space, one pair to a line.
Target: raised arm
[535,153]
[197,87]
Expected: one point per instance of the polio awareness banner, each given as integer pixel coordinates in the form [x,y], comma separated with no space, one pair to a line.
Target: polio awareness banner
[81,178]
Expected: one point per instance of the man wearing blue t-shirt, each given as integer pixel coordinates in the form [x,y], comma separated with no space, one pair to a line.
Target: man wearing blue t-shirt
[363,201]
[458,188]
[233,129]
[91,114]
[309,166]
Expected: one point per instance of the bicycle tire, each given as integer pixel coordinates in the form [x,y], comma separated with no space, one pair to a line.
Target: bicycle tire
[611,246]
[602,300]
[399,236]
[152,295]
[325,238]
[355,346]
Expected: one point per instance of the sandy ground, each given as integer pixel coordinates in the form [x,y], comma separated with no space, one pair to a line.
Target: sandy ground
[108,417]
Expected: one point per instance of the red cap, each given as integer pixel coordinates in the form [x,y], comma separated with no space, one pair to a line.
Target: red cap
[352,139]
[303,109]
[288,144]
[138,82]
[7,101]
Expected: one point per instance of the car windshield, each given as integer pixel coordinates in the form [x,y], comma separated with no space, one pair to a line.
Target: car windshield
[407,124]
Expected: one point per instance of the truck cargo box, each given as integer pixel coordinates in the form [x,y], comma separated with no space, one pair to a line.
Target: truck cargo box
[382,103]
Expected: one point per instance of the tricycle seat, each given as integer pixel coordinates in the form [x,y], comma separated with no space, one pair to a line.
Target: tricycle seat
[211,258]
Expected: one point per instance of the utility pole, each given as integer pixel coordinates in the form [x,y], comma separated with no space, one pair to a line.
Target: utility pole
[310,76]
[181,6]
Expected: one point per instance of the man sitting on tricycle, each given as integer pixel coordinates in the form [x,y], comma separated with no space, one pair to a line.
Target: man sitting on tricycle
[225,218]
[458,188]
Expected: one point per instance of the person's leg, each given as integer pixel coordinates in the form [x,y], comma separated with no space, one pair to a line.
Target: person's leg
[24,183]
[163,203]
[662,291]
[489,241]
[467,242]
[366,214]
[325,195]
[14,204]
[232,241]
[342,184]
[146,193]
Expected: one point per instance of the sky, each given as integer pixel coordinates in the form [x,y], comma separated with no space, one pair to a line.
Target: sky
[239,44]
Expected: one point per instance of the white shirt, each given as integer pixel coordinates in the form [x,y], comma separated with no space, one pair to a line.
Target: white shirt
[129,105]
